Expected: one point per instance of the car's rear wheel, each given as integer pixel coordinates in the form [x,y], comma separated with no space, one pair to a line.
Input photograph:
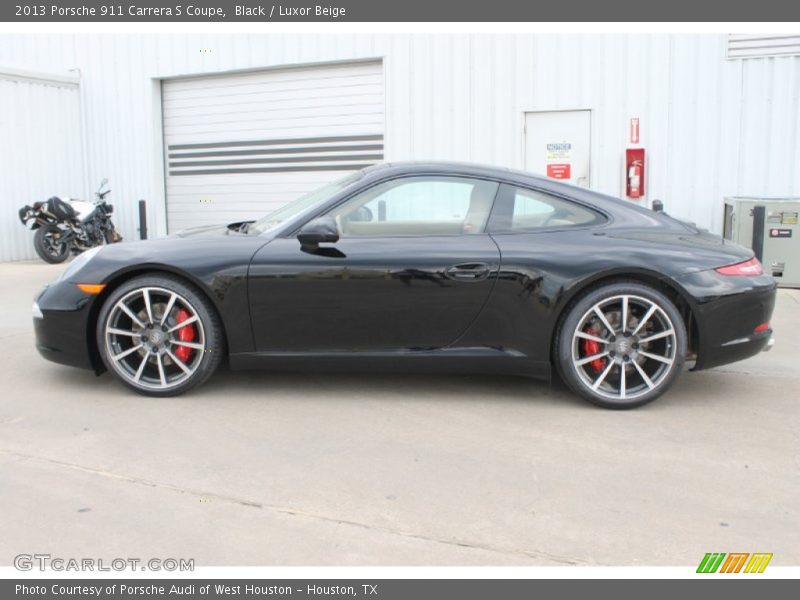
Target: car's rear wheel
[621,345]
[159,335]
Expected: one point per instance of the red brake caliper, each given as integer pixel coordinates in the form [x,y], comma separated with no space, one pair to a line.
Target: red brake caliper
[590,347]
[185,334]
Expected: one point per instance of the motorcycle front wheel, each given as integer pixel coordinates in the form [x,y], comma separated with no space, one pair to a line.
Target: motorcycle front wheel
[111,236]
[49,245]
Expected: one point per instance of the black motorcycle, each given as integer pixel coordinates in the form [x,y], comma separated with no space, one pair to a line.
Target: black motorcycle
[65,226]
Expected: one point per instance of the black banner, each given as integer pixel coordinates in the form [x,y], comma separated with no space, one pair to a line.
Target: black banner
[407,10]
[395,589]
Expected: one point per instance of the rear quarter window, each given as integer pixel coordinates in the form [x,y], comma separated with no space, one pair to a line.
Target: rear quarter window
[521,209]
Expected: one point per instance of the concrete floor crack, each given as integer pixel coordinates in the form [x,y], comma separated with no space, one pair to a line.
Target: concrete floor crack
[533,554]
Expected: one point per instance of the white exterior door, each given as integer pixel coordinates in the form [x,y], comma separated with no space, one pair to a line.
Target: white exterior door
[558,145]
[238,146]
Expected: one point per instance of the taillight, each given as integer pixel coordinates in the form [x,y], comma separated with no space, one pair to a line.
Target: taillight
[761,328]
[750,268]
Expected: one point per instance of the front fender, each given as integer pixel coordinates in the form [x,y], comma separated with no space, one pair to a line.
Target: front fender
[218,269]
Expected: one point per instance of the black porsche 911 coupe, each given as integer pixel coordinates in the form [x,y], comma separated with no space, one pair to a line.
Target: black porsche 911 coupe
[419,267]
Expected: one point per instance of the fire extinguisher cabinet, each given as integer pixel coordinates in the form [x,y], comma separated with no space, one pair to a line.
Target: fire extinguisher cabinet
[770,227]
[634,173]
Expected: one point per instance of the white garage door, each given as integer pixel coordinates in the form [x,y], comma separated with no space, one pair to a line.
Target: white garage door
[241,145]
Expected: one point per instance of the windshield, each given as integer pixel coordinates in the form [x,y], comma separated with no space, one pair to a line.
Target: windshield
[302,204]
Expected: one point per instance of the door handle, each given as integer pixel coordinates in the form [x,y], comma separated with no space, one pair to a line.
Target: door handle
[468,272]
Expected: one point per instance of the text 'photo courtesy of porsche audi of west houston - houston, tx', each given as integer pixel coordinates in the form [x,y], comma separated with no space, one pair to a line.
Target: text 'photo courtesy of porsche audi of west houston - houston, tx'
[419,267]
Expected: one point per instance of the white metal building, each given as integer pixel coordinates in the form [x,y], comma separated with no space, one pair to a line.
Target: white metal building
[214,128]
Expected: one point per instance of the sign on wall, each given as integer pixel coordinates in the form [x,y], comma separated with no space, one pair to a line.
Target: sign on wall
[634,130]
[558,157]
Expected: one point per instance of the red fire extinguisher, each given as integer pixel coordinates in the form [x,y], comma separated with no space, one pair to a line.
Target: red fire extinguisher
[635,178]
[634,172]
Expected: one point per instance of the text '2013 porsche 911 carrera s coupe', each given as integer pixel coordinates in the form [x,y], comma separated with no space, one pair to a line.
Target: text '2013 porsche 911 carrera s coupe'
[419,267]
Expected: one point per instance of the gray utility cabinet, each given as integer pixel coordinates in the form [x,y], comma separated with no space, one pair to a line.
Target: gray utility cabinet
[770,227]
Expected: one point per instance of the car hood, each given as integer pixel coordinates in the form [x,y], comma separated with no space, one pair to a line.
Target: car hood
[200,251]
[211,230]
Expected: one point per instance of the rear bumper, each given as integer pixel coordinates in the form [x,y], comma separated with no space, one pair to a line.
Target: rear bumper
[726,313]
[61,330]
[734,350]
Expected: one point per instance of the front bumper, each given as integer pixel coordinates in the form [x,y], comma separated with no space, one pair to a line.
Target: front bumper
[726,314]
[62,330]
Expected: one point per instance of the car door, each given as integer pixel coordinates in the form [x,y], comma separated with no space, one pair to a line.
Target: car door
[545,239]
[412,269]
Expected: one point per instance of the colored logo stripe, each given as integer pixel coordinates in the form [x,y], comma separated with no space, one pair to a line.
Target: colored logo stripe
[734,562]
[711,562]
[758,563]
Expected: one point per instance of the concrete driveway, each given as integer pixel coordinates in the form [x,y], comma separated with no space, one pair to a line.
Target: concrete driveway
[260,469]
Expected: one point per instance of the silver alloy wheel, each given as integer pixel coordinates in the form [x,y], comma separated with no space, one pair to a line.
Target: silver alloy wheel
[142,340]
[633,347]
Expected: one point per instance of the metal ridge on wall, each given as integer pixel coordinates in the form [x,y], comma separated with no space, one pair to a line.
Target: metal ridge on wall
[333,153]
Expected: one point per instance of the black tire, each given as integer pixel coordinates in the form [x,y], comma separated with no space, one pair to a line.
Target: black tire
[46,248]
[205,361]
[643,382]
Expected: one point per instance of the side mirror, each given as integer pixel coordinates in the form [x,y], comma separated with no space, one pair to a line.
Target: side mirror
[102,183]
[318,231]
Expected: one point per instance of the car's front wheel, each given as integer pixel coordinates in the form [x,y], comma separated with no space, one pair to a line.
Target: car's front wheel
[159,335]
[621,345]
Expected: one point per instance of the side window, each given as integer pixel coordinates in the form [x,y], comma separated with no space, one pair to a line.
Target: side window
[531,210]
[425,205]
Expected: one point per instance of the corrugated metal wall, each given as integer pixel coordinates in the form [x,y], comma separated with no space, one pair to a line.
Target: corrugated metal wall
[713,127]
[40,150]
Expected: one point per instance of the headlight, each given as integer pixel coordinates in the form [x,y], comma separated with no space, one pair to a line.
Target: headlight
[37,312]
[77,264]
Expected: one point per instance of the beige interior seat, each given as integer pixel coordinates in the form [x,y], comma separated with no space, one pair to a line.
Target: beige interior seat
[480,204]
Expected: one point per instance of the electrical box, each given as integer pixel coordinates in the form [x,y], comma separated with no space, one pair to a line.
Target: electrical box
[770,227]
